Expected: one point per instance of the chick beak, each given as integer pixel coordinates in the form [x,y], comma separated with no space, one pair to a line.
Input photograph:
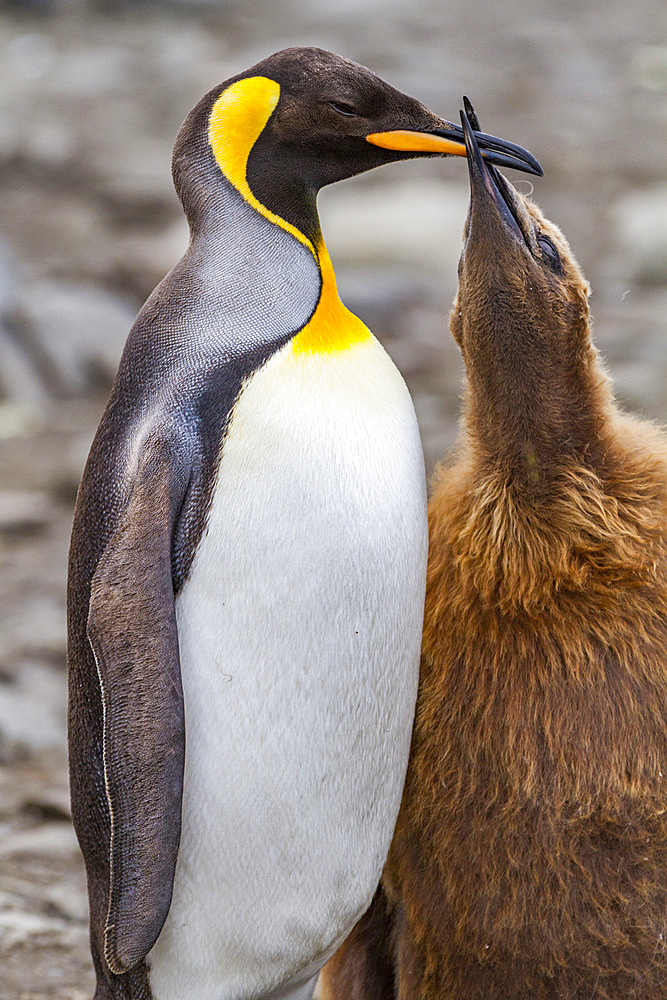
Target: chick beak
[450,140]
[486,185]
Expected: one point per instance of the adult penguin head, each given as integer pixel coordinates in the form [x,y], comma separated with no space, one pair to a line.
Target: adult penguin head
[304,118]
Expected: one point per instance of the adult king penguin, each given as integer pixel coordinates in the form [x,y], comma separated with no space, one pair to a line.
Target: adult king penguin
[248,564]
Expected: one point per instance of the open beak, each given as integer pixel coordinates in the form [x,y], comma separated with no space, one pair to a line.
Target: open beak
[486,184]
[450,139]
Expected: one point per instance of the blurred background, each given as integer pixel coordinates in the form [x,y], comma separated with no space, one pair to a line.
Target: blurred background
[91,97]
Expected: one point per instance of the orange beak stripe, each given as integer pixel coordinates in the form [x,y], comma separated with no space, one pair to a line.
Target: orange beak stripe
[416,142]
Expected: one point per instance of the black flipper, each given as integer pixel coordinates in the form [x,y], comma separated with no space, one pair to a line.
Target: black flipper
[132,631]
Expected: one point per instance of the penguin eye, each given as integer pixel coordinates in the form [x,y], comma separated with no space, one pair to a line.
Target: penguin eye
[549,250]
[343,109]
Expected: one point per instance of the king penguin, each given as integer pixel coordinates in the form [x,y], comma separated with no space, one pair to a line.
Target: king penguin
[248,562]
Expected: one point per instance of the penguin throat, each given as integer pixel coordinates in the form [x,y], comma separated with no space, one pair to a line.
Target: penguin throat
[332,327]
[236,121]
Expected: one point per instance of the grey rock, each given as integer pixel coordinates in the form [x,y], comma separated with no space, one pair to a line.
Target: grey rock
[74,333]
[48,804]
[640,219]
[32,713]
[68,902]
[23,511]
[17,926]
[19,381]
[649,65]
[56,840]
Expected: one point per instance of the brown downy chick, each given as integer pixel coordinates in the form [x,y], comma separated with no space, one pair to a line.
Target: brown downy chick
[530,856]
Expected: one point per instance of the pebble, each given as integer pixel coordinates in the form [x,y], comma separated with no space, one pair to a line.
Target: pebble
[24,511]
[640,220]
[32,713]
[51,839]
[17,926]
[75,333]
[48,804]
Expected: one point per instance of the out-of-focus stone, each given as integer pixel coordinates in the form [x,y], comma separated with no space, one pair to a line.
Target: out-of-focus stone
[142,260]
[8,277]
[628,334]
[641,226]
[48,804]
[17,926]
[19,381]
[32,712]
[15,419]
[55,840]
[74,333]
[33,628]
[381,294]
[67,901]
[23,511]
[650,67]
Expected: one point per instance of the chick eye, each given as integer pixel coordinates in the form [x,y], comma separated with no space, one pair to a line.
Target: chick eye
[548,249]
[343,109]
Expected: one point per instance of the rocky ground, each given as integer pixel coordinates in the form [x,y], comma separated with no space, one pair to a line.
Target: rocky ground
[91,96]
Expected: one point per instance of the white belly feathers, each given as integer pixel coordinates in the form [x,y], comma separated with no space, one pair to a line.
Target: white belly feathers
[299,631]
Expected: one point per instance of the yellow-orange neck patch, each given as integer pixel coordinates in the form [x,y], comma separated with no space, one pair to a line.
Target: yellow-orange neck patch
[332,327]
[237,119]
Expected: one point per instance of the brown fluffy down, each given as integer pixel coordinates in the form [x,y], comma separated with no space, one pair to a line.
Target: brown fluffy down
[530,856]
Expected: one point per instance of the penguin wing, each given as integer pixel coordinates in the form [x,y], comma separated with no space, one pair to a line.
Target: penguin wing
[132,631]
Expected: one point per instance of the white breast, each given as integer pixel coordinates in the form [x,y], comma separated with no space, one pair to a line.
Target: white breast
[299,629]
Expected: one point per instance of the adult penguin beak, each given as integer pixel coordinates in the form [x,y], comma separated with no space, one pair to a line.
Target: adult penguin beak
[450,140]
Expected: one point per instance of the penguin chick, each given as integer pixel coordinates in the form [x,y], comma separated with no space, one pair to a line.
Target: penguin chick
[248,564]
[530,855]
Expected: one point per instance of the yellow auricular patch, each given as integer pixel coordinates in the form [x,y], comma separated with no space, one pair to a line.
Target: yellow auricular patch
[236,121]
